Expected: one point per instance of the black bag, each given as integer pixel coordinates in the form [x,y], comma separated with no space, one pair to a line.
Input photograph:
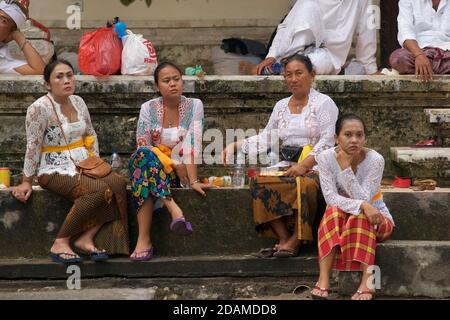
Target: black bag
[291,153]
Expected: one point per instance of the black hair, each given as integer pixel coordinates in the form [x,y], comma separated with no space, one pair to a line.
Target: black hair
[348,117]
[300,58]
[162,66]
[52,65]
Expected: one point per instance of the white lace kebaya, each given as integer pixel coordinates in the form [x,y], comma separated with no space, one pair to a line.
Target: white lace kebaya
[42,130]
[314,126]
[347,190]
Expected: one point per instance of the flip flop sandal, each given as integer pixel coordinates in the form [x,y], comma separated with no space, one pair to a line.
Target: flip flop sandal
[57,257]
[372,293]
[95,256]
[149,253]
[181,226]
[287,253]
[317,297]
[265,253]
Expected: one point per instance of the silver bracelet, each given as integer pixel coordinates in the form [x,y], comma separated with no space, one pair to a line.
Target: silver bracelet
[194,182]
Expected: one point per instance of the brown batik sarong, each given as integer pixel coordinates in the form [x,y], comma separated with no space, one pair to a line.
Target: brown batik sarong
[404,61]
[95,202]
[276,198]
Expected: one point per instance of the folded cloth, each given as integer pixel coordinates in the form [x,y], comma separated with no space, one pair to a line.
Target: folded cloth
[12,9]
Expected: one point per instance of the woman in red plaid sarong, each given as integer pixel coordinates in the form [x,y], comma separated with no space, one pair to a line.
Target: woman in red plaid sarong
[356,217]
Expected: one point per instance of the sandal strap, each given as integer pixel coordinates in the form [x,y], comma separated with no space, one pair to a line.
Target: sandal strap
[321,289]
[359,292]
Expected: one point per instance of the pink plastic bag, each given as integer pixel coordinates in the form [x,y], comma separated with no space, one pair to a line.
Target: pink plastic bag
[100,53]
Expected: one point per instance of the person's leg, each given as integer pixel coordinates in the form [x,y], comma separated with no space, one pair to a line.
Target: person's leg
[62,245]
[403,61]
[144,218]
[280,229]
[364,292]
[321,60]
[174,210]
[325,266]
[86,241]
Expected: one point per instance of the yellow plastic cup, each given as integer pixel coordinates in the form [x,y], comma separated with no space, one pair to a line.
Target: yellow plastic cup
[5,177]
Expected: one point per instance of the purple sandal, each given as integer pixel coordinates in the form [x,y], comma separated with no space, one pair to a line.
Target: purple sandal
[181,226]
[148,255]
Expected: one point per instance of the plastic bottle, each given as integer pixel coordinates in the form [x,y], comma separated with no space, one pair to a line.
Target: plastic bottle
[238,177]
[273,158]
[115,161]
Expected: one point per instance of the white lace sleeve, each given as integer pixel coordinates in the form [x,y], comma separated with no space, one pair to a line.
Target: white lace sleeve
[373,173]
[192,143]
[90,131]
[267,138]
[327,114]
[328,184]
[36,123]
[143,132]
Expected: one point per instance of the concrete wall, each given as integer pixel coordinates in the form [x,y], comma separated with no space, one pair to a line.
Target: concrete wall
[162,9]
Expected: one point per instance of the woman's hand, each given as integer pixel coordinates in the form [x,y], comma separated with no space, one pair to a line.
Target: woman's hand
[228,152]
[424,68]
[344,159]
[266,62]
[296,170]
[182,174]
[23,191]
[198,186]
[372,213]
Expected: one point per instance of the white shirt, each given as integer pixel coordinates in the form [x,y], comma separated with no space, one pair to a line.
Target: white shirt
[348,190]
[417,20]
[334,26]
[43,130]
[7,63]
[314,126]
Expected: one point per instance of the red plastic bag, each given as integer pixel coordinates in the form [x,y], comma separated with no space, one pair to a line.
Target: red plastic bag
[100,53]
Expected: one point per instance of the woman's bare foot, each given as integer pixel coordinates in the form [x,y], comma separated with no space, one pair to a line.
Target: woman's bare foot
[63,246]
[86,244]
[247,68]
[321,289]
[141,249]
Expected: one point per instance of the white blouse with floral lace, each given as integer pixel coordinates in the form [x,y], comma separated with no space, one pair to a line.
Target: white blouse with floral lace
[42,130]
[314,126]
[346,189]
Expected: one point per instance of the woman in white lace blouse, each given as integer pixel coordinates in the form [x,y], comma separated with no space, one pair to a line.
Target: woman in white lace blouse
[305,120]
[99,205]
[356,217]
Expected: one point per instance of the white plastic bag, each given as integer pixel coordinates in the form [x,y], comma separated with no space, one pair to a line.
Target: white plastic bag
[138,55]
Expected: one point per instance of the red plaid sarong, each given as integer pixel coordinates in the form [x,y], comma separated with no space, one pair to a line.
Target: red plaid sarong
[355,236]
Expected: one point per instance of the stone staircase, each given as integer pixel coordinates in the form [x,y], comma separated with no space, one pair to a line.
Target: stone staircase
[413,263]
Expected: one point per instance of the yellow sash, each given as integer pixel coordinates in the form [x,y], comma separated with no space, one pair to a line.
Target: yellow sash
[305,152]
[87,142]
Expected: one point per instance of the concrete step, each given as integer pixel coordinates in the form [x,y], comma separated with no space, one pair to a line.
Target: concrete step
[408,269]
[386,103]
[166,267]
[223,222]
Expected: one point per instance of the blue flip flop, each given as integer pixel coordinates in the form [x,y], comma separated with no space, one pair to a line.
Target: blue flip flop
[56,257]
[95,256]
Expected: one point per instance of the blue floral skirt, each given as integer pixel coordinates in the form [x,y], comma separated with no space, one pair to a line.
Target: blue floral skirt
[148,178]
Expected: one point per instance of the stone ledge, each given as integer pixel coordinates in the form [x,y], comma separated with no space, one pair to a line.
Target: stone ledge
[180,267]
[413,155]
[408,269]
[10,84]
[222,222]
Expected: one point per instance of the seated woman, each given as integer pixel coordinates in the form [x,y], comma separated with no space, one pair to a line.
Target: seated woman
[58,129]
[169,141]
[356,217]
[424,35]
[305,120]
[12,15]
